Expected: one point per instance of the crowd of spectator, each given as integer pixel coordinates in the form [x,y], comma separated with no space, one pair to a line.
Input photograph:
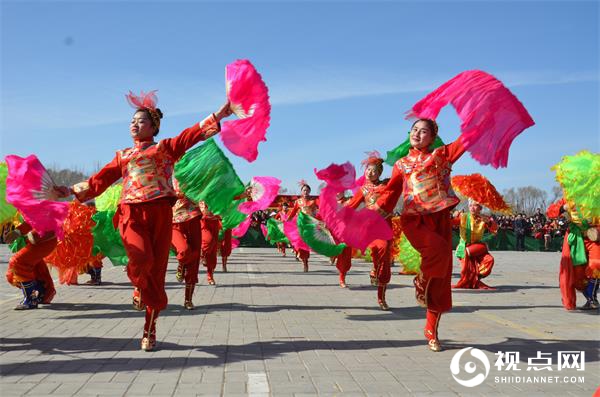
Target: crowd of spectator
[261,216]
[537,226]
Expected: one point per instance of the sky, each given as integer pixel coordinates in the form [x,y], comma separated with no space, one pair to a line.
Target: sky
[341,75]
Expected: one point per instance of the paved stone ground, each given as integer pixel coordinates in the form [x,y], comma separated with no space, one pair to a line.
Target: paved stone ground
[267,328]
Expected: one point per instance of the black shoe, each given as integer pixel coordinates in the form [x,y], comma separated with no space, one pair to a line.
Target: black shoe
[590,305]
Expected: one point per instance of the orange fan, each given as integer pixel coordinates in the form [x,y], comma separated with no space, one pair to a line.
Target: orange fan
[74,251]
[477,188]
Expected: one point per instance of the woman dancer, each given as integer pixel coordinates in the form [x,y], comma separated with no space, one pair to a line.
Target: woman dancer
[186,239]
[423,179]
[144,216]
[210,225]
[368,194]
[282,217]
[475,259]
[308,206]
[27,269]
[225,248]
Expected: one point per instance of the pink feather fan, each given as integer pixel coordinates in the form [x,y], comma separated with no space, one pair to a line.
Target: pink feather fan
[356,228]
[242,228]
[30,189]
[492,117]
[264,190]
[290,229]
[358,184]
[248,96]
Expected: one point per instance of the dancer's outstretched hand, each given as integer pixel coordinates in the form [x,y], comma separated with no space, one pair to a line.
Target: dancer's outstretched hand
[62,191]
[11,236]
[225,111]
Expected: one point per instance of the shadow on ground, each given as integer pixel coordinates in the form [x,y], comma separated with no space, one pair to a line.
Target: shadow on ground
[218,355]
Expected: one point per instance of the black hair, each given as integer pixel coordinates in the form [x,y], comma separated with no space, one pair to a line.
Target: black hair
[430,123]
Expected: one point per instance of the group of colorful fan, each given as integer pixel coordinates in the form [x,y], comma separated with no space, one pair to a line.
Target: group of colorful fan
[491,118]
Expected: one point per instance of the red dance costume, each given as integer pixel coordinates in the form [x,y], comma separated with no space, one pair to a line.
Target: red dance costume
[28,271]
[94,269]
[343,262]
[282,217]
[210,226]
[476,261]
[423,179]
[583,273]
[186,240]
[144,216]
[309,207]
[225,248]
[381,252]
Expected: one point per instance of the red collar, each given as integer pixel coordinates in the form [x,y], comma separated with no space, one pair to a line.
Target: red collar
[416,152]
[143,144]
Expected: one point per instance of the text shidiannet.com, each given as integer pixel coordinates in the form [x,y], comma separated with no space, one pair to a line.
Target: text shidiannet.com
[539,379]
[566,360]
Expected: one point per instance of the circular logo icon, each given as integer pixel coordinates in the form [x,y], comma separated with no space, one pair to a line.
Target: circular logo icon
[470,367]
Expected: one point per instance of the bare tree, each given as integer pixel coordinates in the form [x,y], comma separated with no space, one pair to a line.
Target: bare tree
[67,177]
[526,199]
[557,193]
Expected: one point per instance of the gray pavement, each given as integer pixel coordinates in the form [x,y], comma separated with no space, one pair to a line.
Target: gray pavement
[267,328]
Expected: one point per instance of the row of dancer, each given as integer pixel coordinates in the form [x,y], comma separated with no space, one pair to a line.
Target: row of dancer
[421,179]
[382,196]
[476,261]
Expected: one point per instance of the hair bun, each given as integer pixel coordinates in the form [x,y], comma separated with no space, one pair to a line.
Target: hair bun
[159,112]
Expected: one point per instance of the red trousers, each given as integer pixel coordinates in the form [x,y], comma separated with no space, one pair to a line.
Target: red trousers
[96,263]
[572,278]
[381,253]
[210,241]
[225,244]
[28,265]
[146,232]
[431,235]
[473,270]
[187,239]
[343,261]
[592,248]
[281,247]
[303,255]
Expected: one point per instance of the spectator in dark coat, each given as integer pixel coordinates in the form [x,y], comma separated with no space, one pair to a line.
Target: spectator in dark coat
[520,228]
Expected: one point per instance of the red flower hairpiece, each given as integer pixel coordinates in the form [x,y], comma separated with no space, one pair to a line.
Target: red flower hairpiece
[146,100]
[373,157]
